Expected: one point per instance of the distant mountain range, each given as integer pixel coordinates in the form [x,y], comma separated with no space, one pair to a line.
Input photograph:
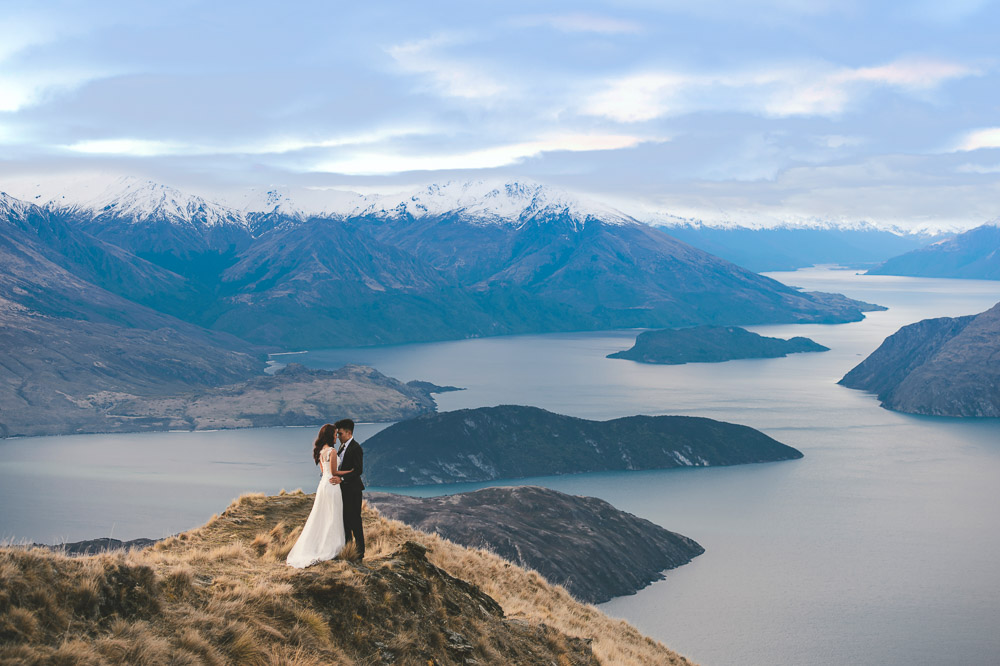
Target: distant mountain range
[133,286]
[785,248]
[948,366]
[974,254]
[447,261]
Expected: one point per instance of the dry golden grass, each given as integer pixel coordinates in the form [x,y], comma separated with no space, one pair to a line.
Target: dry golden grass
[221,594]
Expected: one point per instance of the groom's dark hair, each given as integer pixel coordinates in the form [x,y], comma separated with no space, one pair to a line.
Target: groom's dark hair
[345,424]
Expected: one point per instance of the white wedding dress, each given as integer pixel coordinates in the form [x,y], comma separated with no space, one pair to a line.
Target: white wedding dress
[323,535]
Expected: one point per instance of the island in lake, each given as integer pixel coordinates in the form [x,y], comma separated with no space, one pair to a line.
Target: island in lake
[594,550]
[948,366]
[711,344]
[511,441]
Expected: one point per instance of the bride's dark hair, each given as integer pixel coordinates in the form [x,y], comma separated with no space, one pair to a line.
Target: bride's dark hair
[327,435]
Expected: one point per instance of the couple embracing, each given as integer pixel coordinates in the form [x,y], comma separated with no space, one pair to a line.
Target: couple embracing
[335,518]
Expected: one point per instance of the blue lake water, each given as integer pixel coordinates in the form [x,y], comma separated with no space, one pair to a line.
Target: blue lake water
[880,546]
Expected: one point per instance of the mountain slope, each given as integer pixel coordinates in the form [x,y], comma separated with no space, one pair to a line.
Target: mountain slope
[941,367]
[608,269]
[974,254]
[66,340]
[326,283]
[181,232]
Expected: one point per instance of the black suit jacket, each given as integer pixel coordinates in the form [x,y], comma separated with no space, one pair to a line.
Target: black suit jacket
[354,461]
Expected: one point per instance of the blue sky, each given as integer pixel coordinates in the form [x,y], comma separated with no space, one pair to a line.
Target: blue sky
[839,110]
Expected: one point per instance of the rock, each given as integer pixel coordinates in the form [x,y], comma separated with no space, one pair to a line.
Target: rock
[432,388]
[711,344]
[510,441]
[582,543]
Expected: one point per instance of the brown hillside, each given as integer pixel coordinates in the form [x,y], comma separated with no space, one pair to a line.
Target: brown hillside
[221,594]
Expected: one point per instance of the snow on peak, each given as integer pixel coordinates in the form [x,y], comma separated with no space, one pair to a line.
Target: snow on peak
[139,200]
[487,202]
[759,221]
[275,200]
[129,198]
[13,207]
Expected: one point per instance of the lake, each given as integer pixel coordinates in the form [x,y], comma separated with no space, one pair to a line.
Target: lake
[879,546]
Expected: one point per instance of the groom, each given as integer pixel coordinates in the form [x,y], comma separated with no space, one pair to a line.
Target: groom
[349,468]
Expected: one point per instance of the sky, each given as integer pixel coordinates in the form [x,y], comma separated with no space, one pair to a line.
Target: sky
[718,109]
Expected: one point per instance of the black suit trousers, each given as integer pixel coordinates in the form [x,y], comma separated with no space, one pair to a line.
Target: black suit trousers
[353,528]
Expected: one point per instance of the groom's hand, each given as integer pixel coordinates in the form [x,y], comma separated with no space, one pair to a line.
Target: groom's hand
[335,480]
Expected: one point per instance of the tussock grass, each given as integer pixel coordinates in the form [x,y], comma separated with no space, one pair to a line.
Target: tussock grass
[221,594]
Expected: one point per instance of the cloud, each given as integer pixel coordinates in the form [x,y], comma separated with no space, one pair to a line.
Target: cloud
[390,162]
[579,22]
[982,138]
[24,88]
[815,90]
[450,76]
[133,147]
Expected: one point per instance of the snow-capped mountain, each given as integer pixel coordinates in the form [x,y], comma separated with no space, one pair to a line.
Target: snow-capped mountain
[757,221]
[299,204]
[486,202]
[129,199]
[478,202]
[12,208]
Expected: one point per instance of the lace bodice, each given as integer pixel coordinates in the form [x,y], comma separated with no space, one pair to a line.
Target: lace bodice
[325,465]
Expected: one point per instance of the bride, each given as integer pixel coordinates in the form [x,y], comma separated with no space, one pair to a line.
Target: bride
[323,535]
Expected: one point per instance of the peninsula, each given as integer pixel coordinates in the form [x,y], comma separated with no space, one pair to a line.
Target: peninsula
[948,366]
[510,442]
[582,543]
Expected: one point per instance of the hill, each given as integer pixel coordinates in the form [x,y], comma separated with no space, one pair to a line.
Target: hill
[510,442]
[940,367]
[222,594]
[583,543]
[974,254]
[293,396]
[711,344]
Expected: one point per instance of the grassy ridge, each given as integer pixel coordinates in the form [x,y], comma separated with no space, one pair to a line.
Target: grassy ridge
[221,594]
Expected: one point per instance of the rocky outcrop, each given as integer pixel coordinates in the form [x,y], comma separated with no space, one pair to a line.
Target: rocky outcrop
[711,344]
[582,543]
[940,367]
[510,441]
[222,594]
